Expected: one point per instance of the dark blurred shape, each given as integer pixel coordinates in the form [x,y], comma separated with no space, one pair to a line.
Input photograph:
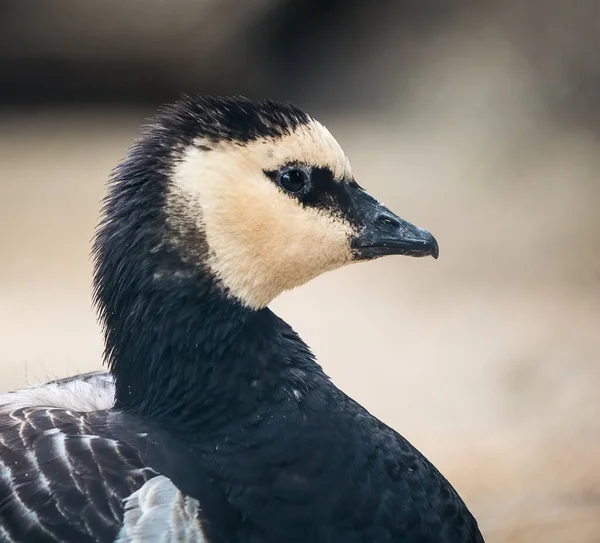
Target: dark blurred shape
[342,53]
[132,51]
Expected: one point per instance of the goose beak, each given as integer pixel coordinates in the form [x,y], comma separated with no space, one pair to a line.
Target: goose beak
[383,233]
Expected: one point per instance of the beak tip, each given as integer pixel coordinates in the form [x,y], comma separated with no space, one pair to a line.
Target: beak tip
[435,248]
[431,244]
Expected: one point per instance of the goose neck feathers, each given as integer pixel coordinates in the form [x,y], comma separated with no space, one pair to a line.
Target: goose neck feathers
[184,353]
[177,344]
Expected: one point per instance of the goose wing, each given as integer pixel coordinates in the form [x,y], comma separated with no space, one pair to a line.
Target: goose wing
[63,477]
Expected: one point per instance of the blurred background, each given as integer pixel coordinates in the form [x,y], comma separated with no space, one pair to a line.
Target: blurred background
[479,121]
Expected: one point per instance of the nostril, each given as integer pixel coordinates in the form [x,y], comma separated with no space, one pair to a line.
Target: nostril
[386,220]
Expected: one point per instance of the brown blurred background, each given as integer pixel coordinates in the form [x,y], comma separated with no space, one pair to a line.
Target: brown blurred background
[477,120]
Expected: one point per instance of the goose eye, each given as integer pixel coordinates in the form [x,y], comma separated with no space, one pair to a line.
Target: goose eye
[293,180]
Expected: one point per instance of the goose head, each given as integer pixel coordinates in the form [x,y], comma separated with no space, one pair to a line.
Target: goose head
[258,195]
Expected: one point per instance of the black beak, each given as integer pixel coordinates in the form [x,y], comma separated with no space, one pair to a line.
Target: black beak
[384,233]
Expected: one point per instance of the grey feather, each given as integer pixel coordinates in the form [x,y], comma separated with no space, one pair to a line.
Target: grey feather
[158,511]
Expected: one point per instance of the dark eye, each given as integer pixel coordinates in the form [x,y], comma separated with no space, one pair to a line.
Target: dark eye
[293,180]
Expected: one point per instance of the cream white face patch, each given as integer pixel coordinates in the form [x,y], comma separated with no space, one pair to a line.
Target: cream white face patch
[261,240]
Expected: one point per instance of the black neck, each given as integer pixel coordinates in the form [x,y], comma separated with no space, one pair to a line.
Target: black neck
[183,354]
[180,350]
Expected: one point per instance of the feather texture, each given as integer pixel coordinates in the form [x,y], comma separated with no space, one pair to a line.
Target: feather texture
[93,391]
[159,511]
[60,479]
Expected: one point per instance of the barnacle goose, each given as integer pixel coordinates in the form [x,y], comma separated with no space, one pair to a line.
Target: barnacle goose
[223,427]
